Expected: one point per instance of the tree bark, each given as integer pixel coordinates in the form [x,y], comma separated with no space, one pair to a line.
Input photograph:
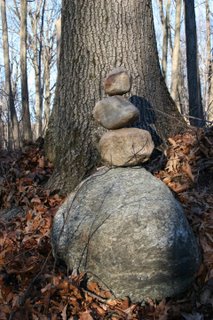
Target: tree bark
[47,92]
[176,55]
[96,37]
[193,77]
[166,26]
[37,48]
[13,127]
[58,37]
[27,131]
[209,82]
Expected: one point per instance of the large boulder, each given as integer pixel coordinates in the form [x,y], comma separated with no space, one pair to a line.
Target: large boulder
[115,112]
[117,81]
[126,147]
[125,227]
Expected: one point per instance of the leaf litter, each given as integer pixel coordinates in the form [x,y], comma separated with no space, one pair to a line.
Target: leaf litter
[33,286]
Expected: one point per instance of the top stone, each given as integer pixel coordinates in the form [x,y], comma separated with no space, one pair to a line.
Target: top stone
[117,82]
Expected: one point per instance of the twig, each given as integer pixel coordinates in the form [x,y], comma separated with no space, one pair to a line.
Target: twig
[95,296]
[24,297]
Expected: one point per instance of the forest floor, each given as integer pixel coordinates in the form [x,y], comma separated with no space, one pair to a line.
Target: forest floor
[33,286]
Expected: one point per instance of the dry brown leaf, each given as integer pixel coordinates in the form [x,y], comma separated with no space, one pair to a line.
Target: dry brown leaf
[130,310]
[85,316]
[172,142]
[41,162]
[172,164]
[64,313]
[101,312]
[112,302]
[177,187]
[187,169]
[36,200]
[46,288]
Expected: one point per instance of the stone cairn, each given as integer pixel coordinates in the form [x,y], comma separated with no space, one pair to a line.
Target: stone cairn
[121,146]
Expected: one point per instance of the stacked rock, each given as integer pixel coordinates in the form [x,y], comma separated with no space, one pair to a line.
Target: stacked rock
[121,146]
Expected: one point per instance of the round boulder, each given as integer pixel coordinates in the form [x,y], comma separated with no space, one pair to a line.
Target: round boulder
[125,227]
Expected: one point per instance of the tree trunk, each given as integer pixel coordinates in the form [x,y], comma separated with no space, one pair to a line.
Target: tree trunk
[183,98]
[58,37]
[209,84]
[166,26]
[47,93]
[96,37]
[27,131]
[210,103]
[37,47]
[13,129]
[176,55]
[193,77]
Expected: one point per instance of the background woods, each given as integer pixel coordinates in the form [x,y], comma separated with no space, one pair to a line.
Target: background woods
[28,68]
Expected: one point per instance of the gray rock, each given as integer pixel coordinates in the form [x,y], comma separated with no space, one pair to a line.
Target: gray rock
[115,112]
[124,226]
[8,215]
[117,82]
[126,147]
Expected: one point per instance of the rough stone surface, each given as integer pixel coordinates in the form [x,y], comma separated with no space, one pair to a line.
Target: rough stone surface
[126,147]
[11,213]
[117,82]
[125,226]
[115,112]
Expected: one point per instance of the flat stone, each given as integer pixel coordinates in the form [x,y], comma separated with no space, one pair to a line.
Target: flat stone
[117,82]
[126,147]
[124,226]
[115,112]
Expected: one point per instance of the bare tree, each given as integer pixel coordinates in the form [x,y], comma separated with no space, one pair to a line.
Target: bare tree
[165,20]
[176,55]
[183,98]
[50,56]
[13,127]
[209,64]
[58,36]
[195,102]
[36,44]
[27,131]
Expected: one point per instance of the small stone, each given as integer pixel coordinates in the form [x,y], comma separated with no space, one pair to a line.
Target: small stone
[117,82]
[126,147]
[115,112]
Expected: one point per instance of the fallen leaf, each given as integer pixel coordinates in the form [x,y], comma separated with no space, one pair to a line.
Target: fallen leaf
[64,313]
[85,316]
[187,169]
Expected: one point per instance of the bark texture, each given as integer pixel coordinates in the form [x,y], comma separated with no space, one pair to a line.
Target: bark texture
[193,77]
[98,36]
[209,95]
[13,127]
[37,24]
[27,131]
[165,27]
[176,54]
[47,91]
[58,37]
